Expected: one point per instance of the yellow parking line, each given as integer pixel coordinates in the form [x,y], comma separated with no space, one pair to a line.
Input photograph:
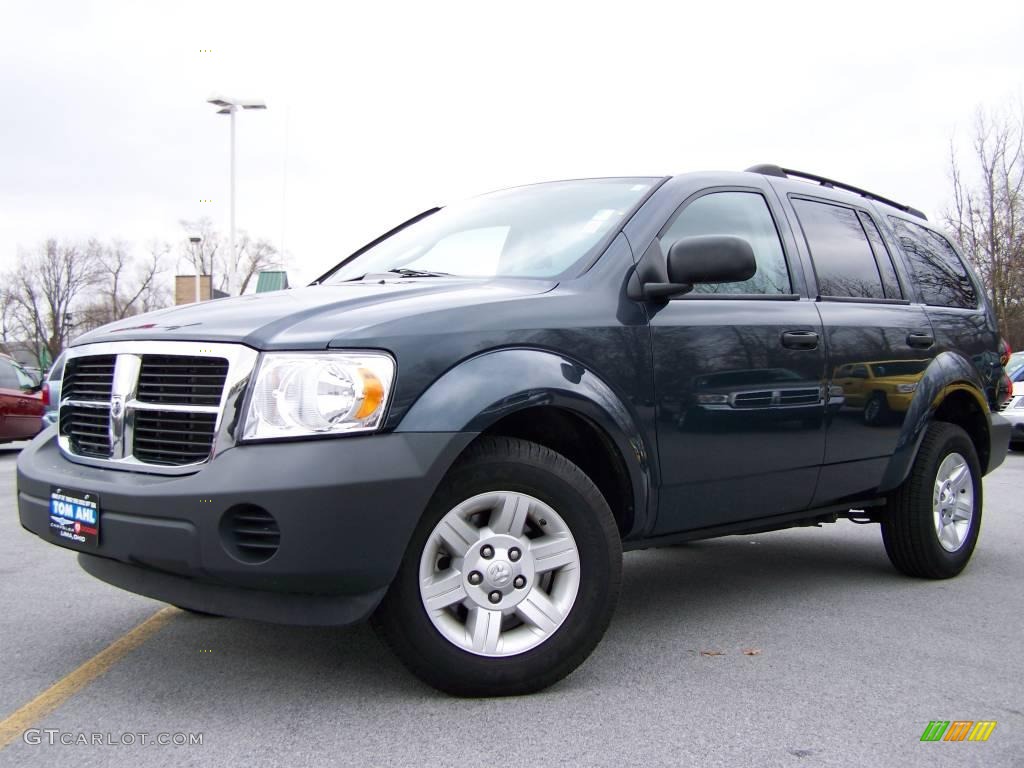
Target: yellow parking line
[47,701]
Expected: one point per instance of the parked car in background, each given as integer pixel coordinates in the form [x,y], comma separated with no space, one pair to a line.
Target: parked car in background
[1015,363]
[880,388]
[1013,409]
[51,392]
[21,405]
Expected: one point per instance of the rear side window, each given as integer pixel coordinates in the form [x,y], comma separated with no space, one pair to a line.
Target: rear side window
[24,380]
[940,273]
[741,214]
[8,378]
[843,259]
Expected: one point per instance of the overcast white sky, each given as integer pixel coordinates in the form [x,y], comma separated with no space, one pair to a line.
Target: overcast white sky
[379,110]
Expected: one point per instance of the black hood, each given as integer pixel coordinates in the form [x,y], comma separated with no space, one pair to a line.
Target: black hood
[320,316]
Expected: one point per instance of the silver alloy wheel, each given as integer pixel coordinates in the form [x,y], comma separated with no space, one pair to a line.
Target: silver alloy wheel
[953,502]
[499,573]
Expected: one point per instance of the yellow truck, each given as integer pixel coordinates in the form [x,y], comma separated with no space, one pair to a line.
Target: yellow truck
[879,388]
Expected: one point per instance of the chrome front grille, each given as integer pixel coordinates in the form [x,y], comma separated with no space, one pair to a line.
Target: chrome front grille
[89,378]
[774,398]
[1015,401]
[88,430]
[182,380]
[173,438]
[151,406]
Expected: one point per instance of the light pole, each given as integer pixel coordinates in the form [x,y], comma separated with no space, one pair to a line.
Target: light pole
[197,259]
[229,107]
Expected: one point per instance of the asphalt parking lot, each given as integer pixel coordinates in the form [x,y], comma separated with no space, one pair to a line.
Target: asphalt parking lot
[853,662]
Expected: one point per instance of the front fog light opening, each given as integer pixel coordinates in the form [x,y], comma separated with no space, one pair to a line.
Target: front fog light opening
[249,533]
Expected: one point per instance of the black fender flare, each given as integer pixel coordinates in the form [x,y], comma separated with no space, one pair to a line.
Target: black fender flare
[949,372]
[476,393]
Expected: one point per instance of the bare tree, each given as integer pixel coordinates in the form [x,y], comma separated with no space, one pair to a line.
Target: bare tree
[253,257]
[8,308]
[232,273]
[43,291]
[126,285]
[987,212]
[203,256]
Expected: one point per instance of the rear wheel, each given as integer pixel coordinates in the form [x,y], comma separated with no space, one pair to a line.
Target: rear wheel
[932,522]
[511,578]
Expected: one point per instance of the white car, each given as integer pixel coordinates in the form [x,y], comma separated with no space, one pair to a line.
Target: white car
[1014,364]
[1014,408]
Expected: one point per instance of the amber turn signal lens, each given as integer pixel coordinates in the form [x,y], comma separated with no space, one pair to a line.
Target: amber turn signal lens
[373,394]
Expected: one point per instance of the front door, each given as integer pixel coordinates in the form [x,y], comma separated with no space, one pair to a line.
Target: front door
[739,378]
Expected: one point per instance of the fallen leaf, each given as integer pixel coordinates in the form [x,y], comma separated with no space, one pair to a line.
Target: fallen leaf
[751,651]
[712,653]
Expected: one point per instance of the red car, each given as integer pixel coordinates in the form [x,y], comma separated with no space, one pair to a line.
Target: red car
[21,404]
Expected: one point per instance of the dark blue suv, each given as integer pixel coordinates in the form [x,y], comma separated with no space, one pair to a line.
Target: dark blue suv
[458,429]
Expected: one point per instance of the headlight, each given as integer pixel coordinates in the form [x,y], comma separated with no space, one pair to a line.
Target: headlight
[318,393]
[905,389]
[713,399]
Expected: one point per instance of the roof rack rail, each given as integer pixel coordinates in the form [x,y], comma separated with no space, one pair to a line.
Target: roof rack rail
[768,169]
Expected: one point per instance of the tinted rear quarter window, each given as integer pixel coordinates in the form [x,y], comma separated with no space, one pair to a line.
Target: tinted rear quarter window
[843,259]
[940,273]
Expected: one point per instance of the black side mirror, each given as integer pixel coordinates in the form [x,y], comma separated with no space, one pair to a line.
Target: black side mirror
[710,259]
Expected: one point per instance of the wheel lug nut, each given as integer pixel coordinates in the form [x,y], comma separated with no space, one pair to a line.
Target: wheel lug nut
[519,582]
[475,577]
[486,551]
[495,596]
[514,554]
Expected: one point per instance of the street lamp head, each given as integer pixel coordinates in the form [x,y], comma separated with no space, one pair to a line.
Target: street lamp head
[195,240]
[228,105]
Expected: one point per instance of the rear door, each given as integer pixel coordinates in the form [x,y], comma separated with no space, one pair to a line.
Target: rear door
[952,299]
[879,342]
[738,375]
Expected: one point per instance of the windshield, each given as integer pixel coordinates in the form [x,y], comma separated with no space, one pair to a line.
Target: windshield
[1015,363]
[535,231]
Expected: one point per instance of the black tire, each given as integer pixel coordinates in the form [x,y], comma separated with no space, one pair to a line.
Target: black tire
[1017,446]
[876,410]
[507,464]
[908,528]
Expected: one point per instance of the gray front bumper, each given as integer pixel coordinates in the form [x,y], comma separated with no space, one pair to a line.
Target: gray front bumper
[346,508]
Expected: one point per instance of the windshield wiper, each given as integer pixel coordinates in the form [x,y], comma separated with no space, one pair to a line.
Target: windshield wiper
[401,272]
[406,272]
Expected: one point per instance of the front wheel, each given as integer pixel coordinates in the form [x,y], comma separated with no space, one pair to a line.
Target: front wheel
[876,409]
[510,579]
[932,522]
